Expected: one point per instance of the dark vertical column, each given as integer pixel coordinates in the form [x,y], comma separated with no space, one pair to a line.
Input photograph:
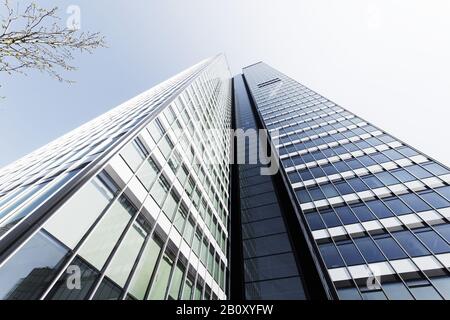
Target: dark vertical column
[263,262]
[236,270]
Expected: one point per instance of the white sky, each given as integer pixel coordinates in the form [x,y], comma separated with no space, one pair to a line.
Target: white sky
[385,60]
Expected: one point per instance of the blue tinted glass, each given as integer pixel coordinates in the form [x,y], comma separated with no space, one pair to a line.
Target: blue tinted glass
[366,161]
[435,243]
[346,215]
[363,213]
[314,221]
[397,206]
[434,199]
[418,171]
[444,230]
[415,202]
[386,178]
[357,184]
[316,194]
[436,169]
[303,196]
[445,191]
[350,254]
[379,209]
[389,247]
[331,255]
[403,175]
[410,243]
[330,218]
[369,250]
[373,182]
[329,190]
[343,188]
[294,177]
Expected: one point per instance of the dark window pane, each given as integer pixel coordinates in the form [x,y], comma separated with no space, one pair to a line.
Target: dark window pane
[330,218]
[434,199]
[346,215]
[29,272]
[369,250]
[410,243]
[397,206]
[350,254]
[415,202]
[389,247]
[314,221]
[379,209]
[331,255]
[363,212]
[435,243]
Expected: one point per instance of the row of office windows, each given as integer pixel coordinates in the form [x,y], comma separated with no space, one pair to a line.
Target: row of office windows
[413,286]
[366,182]
[387,246]
[353,163]
[117,244]
[379,209]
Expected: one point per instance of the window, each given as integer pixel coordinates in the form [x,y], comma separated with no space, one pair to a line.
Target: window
[79,213]
[433,241]
[160,283]
[303,196]
[369,250]
[410,243]
[434,199]
[350,253]
[362,212]
[104,237]
[389,247]
[107,290]
[444,230]
[396,291]
[330,218]
[443,285]
[379,209]
[148,173]
[329,190]
[372,182]
[418,171]
[445,191]
[415,202]
[331,255]
[344,188]
[134,153]
[314,221]
[436,169]
[176,282]
[386,178]
[35,264]
[144,269]
[60,290]
[316,194]
[346,215]
[121,264]
[403,175]
[397,206]
[159,190]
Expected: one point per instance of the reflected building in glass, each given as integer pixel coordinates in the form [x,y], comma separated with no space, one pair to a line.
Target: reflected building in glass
[143,202]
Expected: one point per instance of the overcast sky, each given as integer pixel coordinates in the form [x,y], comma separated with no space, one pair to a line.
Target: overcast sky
[385,60]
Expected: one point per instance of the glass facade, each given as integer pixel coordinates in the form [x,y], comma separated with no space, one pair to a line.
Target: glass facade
[377,208]
[148,218]
[136,203]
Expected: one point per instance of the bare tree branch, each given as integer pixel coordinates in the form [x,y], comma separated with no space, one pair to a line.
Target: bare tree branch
[32,39]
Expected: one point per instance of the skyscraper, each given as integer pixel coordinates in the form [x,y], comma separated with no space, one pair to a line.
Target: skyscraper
[153,201]
[131,205]
[374,210]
